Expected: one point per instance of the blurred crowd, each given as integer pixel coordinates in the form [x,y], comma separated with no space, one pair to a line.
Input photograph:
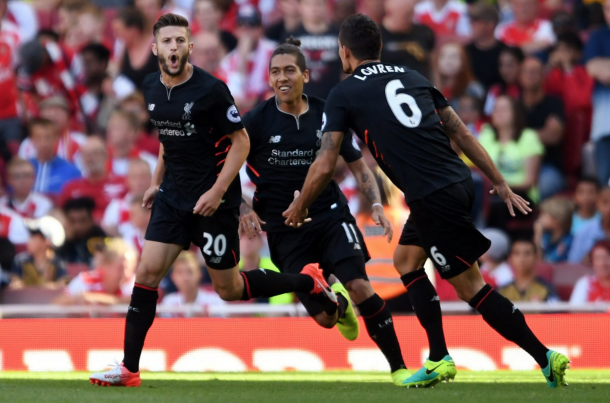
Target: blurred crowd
[530,79]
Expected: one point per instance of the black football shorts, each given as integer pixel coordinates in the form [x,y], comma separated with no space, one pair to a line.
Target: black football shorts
[440,223]
[328,243]
[217,236]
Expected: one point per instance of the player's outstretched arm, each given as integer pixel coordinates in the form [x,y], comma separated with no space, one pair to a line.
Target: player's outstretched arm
[157,178]
[208,202]
[459,133]
[320,173]
[368,186]
[249,221]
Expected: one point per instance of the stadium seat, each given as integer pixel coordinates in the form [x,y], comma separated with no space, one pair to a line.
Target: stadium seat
[565,276]
[74,269]
[544,270]
[30,295]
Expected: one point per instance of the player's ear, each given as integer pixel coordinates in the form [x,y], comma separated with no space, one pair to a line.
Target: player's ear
[306,76]
[190,48]
[154,48]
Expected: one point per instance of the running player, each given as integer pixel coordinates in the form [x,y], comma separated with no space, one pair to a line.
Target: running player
[196,193]
[285,136]
[407,125]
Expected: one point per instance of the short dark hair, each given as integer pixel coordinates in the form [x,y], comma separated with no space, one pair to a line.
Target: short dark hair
[99,51]
[361,35]
[515,52]
[132,17]
[528,241]
[80,203]
[589,179]
[42,122]
[571,39]
[291,47]
[171,20]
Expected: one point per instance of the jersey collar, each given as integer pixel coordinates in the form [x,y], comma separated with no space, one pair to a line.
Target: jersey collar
[363,65]
[290,114]
[168,90]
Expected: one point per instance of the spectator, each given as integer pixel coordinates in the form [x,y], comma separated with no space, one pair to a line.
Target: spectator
[22,199]
[57,111]
[597,58]
[67,14]
[146,139]
[527,31]
[123,131]
[80,231]
[515,149]
[87,28]
[320,47]
[39,266]
[208,53]
[111,282]
[585,198]
[545,115]
[552,229]
[186,275]
[494,267]
[116,219]
[95,59]
[510,66]
[526,286]
[22,16]
[596,230]
[470,109]
[12,228]
[139,216]
[52,171]
[153,9]
[453,74]
[290,21]
[595,288]
[484,49]
[447,18]
[10,124]
[206,19]
[136,61]
[99,184]
[342,9]
[405,42]
[246,67]
[571,83]
[372,8]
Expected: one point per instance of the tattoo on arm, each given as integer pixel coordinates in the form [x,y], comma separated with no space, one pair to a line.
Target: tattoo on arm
[451,121]
[365,178]
[370,194]
[327,141]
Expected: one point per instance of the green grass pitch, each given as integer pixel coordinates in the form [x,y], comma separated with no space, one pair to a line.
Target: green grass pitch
[334,387]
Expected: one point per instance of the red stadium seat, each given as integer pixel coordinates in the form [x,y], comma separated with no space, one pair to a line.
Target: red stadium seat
[565,276]
[544,270]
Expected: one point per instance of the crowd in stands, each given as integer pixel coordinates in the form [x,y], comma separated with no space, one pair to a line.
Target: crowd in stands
[529,78]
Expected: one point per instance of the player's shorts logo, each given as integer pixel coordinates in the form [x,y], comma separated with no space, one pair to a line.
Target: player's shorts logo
[187,110]
[151,107]
[233,114]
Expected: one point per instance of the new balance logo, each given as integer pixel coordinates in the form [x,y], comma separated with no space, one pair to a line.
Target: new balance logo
[275,139]
[215,260]
[435,298]
[131,308]
[514,308]
[151,107]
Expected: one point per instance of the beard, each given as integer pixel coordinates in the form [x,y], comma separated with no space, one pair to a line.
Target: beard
[166,67]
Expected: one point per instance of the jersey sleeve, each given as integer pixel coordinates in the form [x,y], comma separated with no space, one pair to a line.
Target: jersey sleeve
[226,116]
[438,98]
[349,148]
[252,126]
[336,116]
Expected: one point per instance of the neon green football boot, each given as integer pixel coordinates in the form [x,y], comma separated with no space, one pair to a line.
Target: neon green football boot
[555,372]
[348,324]
[432,373]
[399,376]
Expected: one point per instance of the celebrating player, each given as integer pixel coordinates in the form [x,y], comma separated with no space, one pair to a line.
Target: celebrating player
[285,137]
[407,125]
[196,193]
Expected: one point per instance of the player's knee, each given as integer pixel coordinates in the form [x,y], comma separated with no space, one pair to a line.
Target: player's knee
[359,290]
[148,274]
[227,292]
[325,321]
[466,292]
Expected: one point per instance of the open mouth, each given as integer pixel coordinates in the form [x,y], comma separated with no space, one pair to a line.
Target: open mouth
[173,61]
[284,89]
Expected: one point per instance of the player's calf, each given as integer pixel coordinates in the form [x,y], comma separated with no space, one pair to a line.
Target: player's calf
[359,290]
[325,320]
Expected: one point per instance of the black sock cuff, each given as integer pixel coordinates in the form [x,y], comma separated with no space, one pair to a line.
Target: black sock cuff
[480,296]
[410,278]
[143,292]
[371,307]
[247,295]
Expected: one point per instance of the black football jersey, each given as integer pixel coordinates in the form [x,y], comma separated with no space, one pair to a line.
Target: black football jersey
[393,110]
[282,148]
[193,119]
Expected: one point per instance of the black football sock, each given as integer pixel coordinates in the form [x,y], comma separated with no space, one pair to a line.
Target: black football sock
[140,317]
[380,327]
[427,307]
[507,320]
[341,307]
[267,283]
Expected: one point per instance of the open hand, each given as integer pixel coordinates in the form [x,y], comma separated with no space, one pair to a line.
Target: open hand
[511,199]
